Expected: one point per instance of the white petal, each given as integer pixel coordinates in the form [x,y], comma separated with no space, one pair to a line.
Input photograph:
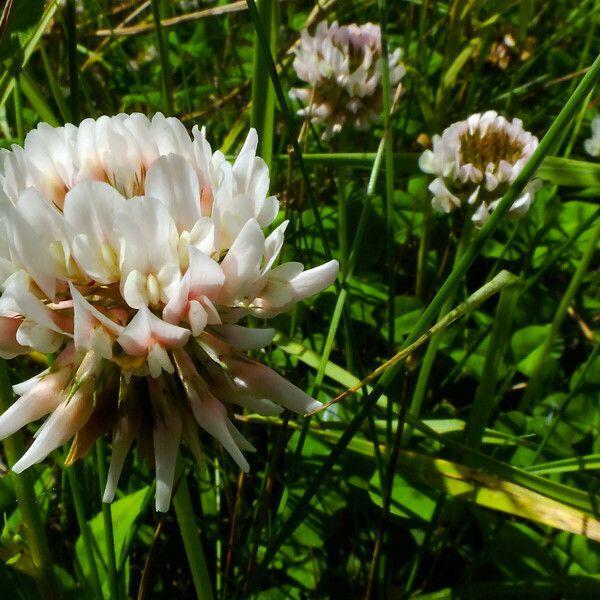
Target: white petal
[262,382]
[167,435]
[40,400]
[172,180]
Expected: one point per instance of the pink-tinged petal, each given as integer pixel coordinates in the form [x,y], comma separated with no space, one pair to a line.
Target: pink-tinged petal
[202,235]
[24,250]
[124,432]
[197,317]
[9,347]
[241,265]
[206,275]
[273,245]
[66,420]
[158,361]
[212,417]
[167,436]
[148,236]
[92,330]
[245,338]
[262,382]
[172,180]
[251,142]
[146,328]
[36,403]
[90,209]
[176,307]
[39,337]
[209,412]
[18,299]
[134,289]
[315,280]
[171,136]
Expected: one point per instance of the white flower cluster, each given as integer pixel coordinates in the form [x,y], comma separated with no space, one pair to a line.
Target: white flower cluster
[342,65]
[592,145]
[475,161]
[132,250]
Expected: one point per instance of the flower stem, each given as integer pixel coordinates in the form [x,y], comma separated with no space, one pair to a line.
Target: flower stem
[163,53]
[35,533]
[113,583]
[191,541]
[431,352]
[84,528]
[263,96]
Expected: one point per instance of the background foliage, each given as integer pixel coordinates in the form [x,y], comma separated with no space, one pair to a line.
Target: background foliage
[470,470]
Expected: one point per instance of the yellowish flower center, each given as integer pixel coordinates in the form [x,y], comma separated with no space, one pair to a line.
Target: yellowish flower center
[491,147]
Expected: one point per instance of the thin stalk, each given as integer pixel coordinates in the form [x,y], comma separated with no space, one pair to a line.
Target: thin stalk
[423,249]
[191,541]
[389,172]
[71,30]
[165,65]
[289,121]
[342,198]
[421,386]
[63,108]
[537,380]
[113,583]
[18,98]
[343,295]
[483,404]
[263,95]
[84,528]
[389,377]
[35,530]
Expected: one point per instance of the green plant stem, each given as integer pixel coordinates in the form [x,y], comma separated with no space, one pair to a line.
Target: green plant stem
[163,54]
[389,172]
[191,541]
[388,378]
[483,404]
[71,29]
[423,249]
[263,95]
[65,111]
[35,531]
[18,98]
[289,122]
[349,270]
[418,396]
[84,528]
[536,383]
[113,583]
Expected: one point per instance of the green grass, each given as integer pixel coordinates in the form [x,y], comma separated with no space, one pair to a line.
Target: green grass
[466,468]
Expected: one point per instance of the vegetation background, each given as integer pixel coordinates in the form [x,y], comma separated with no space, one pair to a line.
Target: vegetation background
[469,469]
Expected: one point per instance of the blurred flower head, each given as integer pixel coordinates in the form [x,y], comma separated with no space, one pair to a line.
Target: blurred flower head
[475,161]
[592,145]
[132,251]
[342,66]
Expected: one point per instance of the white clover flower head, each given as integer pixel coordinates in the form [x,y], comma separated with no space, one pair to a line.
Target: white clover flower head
[342,67]
[132,250]
[592,145]
[475,161]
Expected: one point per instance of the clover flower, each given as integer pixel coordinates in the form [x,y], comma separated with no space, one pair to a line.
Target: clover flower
[342,66]
[592,145]
[132,251]
[475,161]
